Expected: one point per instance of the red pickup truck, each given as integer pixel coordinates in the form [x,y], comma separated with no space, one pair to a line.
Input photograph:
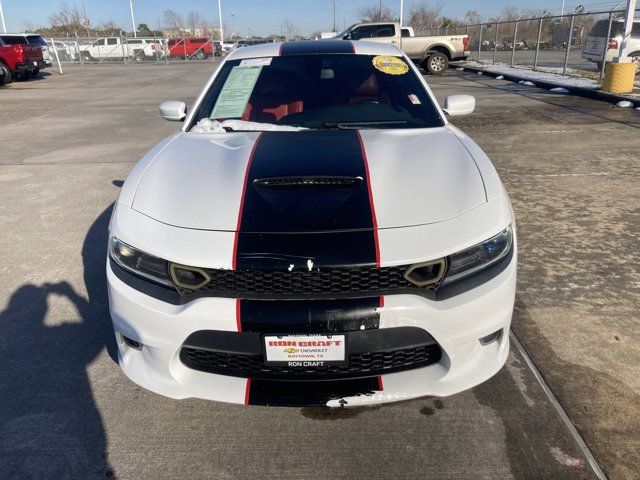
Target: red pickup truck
[19,61]
[196,47]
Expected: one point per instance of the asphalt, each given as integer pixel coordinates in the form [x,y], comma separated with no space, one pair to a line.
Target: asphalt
[67,411]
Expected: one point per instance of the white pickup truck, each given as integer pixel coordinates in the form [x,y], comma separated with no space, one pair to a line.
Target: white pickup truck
[135,49]
[433,53]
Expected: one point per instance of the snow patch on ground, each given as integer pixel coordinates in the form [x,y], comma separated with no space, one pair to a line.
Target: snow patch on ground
[500,77]
[559,90]
[548,75]
[207,125]
[624,104]
[564,458]
[527,83]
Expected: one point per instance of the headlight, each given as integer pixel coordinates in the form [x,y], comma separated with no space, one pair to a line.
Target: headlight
[137,262]
[480,256]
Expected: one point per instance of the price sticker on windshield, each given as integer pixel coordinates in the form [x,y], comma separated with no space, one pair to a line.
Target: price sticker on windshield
[390,65]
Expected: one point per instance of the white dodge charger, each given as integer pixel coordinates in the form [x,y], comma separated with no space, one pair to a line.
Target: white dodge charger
[316,233]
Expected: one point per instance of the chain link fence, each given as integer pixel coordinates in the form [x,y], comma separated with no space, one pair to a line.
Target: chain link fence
[576,44]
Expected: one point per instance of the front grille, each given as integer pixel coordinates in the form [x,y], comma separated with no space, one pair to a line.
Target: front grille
[326,283]
[359,365]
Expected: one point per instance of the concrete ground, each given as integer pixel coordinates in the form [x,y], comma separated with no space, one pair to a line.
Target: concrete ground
[66,410]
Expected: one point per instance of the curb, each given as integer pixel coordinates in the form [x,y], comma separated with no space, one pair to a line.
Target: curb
[592,94]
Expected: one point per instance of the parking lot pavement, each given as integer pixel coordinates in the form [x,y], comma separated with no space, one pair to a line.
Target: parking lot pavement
[67,411]
[571,168]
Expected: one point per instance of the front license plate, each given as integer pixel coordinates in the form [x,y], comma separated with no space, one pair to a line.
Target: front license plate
[305,351]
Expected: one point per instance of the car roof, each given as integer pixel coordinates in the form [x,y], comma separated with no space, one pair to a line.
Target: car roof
[20,34]
[310,47]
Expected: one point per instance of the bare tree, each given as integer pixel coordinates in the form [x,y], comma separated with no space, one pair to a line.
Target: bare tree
[194,20]
[472,17]
[379,13]
[424,16]
[289,29]
[66,20]
[109,28]
[173,20]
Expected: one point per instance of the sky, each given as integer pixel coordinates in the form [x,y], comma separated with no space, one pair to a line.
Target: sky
[258,17]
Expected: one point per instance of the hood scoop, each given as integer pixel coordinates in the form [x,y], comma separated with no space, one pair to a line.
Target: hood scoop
[313,181]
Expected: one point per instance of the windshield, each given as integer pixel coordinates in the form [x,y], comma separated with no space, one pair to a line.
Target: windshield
[320,91]
[345,31]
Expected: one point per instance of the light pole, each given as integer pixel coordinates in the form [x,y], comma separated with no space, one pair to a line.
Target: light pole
[628,25]
[4,27]
[220,16]
[133,20]
[334,16]
[562,9]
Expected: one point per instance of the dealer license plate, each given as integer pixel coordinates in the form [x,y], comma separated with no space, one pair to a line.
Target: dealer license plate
[304,351]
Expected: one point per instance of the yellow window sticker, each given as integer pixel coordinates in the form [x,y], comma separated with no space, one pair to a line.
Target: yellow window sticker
[390,65]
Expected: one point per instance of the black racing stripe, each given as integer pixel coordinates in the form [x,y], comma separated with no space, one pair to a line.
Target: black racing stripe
[307,394]
[311,48]
[310,316]
[306,208]
[306,226]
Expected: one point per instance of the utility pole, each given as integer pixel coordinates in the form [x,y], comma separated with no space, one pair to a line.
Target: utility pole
[220,16]
[133,20]
[334,16]
[562,9]
[4,27]
[628,26]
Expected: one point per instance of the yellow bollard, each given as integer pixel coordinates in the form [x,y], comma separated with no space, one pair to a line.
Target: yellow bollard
[619,77]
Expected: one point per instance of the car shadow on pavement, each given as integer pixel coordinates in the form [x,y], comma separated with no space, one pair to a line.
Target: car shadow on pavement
[50,426]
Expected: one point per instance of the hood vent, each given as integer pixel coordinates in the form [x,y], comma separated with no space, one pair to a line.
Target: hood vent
[309,181]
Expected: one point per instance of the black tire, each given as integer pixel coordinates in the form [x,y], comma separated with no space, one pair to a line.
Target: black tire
[138,55]
[436,63]
[599,65]
[5,74]
[201,55]
[86,57]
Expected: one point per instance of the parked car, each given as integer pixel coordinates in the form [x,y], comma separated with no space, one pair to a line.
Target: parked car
[67,50]
[141,49]
[317,233]
[104,48]
[31,39]
[433,53]
[19,60]
[594,47]
[190,47]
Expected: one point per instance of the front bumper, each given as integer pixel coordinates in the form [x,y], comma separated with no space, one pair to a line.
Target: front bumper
[457,324]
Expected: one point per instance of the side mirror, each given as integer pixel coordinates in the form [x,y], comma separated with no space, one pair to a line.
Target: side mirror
[173,110]
[455,105]
[347,37]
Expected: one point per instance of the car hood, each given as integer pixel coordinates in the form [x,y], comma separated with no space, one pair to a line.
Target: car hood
[310,181]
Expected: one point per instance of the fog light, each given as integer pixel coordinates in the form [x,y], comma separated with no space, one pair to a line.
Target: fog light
[492,337]
[426,273]
[132,343]
[191,278]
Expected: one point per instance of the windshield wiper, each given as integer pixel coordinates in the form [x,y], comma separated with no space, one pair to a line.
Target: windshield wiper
[354,125]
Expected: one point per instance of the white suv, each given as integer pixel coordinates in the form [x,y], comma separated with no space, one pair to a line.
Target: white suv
[594,47]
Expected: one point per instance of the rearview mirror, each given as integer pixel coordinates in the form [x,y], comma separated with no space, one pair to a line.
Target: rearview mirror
[455,105]
[173,110]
